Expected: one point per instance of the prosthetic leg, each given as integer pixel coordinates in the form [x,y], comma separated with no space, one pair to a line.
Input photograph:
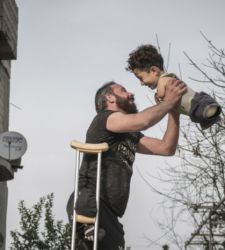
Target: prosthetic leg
[88,148]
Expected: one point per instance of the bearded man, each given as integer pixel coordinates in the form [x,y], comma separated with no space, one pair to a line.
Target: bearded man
[119,124]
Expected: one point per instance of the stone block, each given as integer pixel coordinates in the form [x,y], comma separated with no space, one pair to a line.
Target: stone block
[6,171]
[8,29]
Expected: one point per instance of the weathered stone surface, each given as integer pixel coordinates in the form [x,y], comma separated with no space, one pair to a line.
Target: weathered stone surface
[3,210]
[6,171]
[8,29]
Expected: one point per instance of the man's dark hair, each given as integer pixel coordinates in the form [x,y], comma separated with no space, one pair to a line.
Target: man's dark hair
[144,57]
[100,98]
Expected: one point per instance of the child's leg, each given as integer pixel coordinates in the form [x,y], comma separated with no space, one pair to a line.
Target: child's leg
[211,111]
[205,110]
[186,100]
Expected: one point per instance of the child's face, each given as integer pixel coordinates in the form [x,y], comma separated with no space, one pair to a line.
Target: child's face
[148,78]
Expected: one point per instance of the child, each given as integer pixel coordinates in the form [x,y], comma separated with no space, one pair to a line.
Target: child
[147,65]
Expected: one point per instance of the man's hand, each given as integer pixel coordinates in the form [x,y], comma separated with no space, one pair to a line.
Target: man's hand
[174,91]
[89,230]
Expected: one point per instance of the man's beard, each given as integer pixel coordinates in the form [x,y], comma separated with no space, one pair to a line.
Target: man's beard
[126,105]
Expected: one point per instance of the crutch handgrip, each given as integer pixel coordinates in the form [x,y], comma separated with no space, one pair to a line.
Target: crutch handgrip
[85,219]
[90,148]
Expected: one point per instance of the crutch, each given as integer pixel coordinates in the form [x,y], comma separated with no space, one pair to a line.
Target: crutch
[89,148]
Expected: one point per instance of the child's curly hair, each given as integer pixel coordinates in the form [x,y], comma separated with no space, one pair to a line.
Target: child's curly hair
[144,57]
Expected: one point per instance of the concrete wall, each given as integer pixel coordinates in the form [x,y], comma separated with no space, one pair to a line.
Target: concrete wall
[4,121]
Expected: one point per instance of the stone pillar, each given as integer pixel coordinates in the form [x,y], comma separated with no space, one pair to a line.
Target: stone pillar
[4,165]
[3,210]
[8,51]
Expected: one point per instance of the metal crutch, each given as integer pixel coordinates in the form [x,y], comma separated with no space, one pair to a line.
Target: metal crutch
[89,148]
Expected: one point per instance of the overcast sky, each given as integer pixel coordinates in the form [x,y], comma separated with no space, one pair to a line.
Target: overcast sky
[66,50]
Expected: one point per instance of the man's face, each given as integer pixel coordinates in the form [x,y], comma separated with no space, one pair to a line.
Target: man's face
[128,105]
[124,99]
[148,78]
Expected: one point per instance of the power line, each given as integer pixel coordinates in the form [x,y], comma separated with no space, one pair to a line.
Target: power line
[15,106]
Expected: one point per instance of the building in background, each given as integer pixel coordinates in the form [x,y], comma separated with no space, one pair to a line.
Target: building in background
[8,52]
